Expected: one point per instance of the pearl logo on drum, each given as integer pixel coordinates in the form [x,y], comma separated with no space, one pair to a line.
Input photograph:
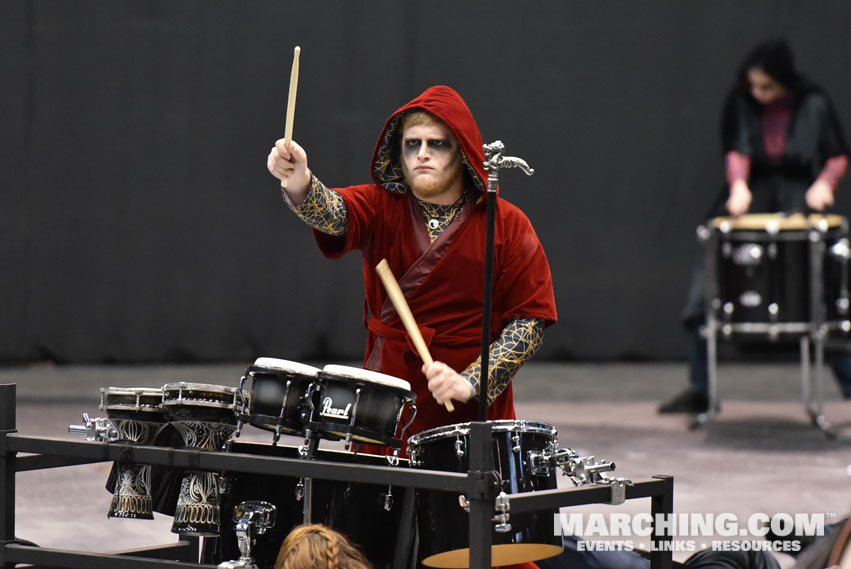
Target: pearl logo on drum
[328,410]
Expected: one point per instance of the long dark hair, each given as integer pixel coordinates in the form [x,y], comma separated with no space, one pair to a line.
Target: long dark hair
[774,57]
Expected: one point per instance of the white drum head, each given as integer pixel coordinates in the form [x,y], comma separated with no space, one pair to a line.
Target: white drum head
[286,366]
[367,375]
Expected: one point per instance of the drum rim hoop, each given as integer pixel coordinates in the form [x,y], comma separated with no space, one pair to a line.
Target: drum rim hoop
[156,391]
[200,403]
[136,392]
[199,387]
[367,375]
[287,366]
[232,393]
[794,222]
[128,407]
[497,426]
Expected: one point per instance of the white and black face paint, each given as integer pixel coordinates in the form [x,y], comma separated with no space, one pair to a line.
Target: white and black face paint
[431,162]
[411,147]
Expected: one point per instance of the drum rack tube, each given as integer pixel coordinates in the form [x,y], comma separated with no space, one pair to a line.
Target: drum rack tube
[480,484]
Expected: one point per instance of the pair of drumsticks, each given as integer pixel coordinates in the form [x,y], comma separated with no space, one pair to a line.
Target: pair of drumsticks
[383,269]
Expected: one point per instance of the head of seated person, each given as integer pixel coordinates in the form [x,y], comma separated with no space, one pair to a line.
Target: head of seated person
[316,546]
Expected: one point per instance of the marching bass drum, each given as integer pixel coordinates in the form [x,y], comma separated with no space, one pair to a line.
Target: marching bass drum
[765,264]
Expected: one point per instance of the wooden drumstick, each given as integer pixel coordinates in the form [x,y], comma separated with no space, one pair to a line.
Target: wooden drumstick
[401,306]
[288,127]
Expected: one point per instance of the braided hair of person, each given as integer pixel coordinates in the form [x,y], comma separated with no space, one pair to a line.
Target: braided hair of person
[316,546]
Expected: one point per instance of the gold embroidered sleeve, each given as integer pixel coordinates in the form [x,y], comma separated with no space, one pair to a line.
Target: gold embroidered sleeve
[518,342]
[321,209]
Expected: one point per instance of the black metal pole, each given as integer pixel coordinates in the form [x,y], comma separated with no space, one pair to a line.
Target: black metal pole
[481,503]
[661,556]
[7,471]
[487,297]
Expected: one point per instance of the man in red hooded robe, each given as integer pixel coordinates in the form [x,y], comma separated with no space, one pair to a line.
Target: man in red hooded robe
[425,214]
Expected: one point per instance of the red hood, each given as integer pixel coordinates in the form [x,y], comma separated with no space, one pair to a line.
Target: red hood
[447,105]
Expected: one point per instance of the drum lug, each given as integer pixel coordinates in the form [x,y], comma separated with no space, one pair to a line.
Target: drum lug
[841,250]
[459,447]
[501,506]
[243,405]
[515,441]
[388,499]
[239,424]
[307,449]
[412,402]
[772,250]
[750,254]
[464,503]
[299,490]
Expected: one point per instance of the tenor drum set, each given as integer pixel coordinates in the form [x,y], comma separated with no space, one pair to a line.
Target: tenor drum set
[244,517]
[774,277]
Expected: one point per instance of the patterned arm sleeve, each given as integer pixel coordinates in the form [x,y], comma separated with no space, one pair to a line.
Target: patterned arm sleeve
[321,209]
[518,342]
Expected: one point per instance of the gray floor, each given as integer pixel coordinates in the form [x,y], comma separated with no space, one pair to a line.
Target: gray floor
[760,455]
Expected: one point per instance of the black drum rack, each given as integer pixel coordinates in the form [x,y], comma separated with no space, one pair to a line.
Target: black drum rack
[480,484]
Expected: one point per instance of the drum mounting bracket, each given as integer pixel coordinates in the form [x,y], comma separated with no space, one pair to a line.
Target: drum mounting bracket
[488,484]
[97,429]
[501,507]
[252,518]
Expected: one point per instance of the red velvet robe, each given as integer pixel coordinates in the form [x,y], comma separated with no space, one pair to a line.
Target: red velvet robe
[442,281]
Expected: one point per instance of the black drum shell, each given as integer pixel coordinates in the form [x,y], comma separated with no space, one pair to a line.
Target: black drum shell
[782,276]
[268,395]
[443,524]
[353,509]
[376,417]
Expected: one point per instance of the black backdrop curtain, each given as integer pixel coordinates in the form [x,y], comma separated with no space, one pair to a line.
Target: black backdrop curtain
[138,222]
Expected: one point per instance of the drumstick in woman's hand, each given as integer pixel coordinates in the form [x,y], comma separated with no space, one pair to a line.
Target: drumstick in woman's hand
[401,306]
[288,127]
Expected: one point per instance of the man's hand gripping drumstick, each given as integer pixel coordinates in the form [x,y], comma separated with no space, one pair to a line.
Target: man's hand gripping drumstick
[288,161]
[444,383]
